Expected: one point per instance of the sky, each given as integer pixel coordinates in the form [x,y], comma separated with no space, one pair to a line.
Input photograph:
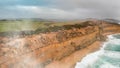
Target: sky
[60,9]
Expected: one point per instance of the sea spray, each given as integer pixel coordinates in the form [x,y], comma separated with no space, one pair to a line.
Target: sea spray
[107,57]
[16,47]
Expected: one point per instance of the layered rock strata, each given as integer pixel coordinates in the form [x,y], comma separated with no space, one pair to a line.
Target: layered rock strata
[39,50]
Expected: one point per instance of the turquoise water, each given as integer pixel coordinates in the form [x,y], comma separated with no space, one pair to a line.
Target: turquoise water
[107,57]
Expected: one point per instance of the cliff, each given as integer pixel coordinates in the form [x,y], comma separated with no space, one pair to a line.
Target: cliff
[40,48]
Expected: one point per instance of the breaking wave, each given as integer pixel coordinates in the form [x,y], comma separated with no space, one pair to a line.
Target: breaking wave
[107,57]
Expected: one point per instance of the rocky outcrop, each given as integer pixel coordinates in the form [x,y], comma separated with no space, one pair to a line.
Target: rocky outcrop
[38,50]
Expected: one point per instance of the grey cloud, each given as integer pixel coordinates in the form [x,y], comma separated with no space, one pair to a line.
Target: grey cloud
[96,8]
[68,9]
[89,4]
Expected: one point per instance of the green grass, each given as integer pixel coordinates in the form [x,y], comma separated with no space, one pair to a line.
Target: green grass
[28,25]
[38,26]
[6,26]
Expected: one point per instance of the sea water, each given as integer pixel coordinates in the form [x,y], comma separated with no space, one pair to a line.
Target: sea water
[107,57]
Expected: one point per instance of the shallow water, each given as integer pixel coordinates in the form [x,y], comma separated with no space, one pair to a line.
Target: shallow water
[107,57]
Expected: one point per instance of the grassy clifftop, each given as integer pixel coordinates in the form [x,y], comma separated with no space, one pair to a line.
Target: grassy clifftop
[29,27]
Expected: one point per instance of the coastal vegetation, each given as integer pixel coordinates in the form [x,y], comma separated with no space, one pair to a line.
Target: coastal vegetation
[29,27]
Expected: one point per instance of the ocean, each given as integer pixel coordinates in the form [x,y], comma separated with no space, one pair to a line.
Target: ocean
[107,57]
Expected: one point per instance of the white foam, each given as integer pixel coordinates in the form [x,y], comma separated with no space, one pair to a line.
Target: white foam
[90,59]
[107,66]
[112,54]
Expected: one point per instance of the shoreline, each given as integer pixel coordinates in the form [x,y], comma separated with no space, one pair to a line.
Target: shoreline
[70,61]
[60,49]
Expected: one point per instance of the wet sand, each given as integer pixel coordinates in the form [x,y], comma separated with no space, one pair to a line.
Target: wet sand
[70,61]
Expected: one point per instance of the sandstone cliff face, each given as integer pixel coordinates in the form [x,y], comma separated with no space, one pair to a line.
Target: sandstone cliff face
[110,28]
[38,50]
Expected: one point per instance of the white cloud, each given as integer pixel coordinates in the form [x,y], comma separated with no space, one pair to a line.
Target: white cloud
[44,12]
[66,9]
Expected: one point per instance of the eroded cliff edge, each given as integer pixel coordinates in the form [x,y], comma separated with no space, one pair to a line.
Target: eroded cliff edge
[40,49]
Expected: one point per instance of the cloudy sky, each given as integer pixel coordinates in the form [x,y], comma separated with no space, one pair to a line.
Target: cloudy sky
[60,9]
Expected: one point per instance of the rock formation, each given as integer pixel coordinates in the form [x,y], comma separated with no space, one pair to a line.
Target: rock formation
[40,49]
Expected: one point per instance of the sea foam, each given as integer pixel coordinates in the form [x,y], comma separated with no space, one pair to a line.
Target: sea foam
[107,57]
